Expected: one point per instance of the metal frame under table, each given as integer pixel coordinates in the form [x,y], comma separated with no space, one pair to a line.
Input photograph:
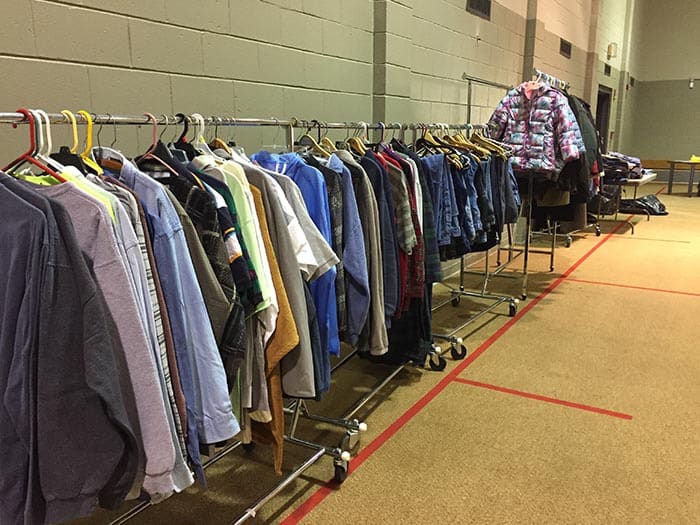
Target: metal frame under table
[635,183]
[691,178]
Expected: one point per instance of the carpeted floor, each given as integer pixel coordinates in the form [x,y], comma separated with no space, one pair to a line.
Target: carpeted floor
[583,408]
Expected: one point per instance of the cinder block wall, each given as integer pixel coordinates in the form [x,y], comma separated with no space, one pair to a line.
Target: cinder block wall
[372,60]
[249,58]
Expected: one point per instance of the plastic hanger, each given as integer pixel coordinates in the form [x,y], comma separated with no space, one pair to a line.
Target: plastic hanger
[181,142]
[85,155]
[68,156]
[199,141]
[156,164]
[28,156]
[74,128]
[46,145]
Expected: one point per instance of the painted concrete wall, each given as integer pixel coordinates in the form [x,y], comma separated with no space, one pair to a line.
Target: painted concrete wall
[391,60]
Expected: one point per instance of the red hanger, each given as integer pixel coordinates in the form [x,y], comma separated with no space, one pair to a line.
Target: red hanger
[28,156]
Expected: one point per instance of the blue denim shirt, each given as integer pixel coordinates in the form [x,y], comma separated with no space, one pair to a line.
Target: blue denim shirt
[354,256]
[438,172]
[313,190]
[210,416]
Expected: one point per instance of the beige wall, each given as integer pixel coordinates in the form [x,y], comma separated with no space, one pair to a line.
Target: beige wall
[391,60]
[670,46]
[662,121]
[250,58]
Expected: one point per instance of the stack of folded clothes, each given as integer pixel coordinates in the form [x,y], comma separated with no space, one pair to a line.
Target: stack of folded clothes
[620,167]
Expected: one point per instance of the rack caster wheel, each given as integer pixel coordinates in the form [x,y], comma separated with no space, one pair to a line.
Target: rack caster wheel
[458,353]
[437,363]
[340,473]
[567,242]
[249,447]
[523,296]
[512,309]
[456,300]
[597,231]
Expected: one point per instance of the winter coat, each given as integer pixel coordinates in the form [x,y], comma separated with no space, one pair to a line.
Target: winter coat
[542,130]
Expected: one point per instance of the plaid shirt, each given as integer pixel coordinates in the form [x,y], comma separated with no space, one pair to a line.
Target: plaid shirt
[405,230]
[433,270]
[334,188]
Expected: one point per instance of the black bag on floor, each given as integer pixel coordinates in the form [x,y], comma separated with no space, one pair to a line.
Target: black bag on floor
[648,204]
[606,199]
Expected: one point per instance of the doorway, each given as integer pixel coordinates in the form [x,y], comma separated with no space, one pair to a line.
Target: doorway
[602,114]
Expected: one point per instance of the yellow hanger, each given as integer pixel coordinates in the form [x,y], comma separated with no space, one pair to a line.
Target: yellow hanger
[74,127]
[328,144]
[85,155]
[357,145]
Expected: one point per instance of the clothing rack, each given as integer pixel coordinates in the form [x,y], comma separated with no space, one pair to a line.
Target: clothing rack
[514,253]
[457,348]
[298,408]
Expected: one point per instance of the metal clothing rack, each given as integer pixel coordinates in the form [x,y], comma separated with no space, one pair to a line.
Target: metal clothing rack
[457,348]
[298,408]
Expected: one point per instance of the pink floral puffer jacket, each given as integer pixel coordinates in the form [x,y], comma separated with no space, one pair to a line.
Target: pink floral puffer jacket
[541,129]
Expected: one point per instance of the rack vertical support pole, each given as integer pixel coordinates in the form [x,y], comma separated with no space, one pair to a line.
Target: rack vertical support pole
[469,100]
[528,230]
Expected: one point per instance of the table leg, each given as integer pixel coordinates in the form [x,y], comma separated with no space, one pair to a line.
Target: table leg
[691,178]
[670,177]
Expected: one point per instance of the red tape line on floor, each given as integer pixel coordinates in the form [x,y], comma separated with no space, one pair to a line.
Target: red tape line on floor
[633,287]
[323,492]
[547,399]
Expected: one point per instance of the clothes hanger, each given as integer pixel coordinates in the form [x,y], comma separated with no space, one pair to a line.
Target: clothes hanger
[274,147]
[157,147]
[74,128]
[327,143]
[69,156]
[382,128]
[109,163]
[309,142]
[182,143]
[43,154]
[28,156]
[200,142]
[355,143]
[85,155]
[218,143]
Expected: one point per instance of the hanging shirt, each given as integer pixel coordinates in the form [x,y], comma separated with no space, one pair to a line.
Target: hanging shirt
[390,256]
[298,366]
[230,174]
[313,189]
[369,213]
[355,256]
[49,433]
[95,236]
[334,185]
[182,477]
[282,342]
[209,413]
